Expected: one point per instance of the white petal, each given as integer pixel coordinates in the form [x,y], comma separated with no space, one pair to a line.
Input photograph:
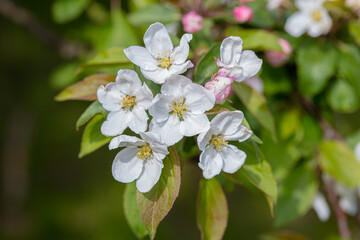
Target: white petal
[198,98]
[168,130]
[241,134]
[250,64]
[115,123]
[150,176]
[194,124]
[126,166]
[233,158]
[160,108]
[210,162]
[321,207]
[308,5]
[154,141]
[144,97]
[322,27]
[230,50]
[175,85]
[176,69]
[204,138]
[180,53]
[137,120]
[128,81]
[228,122]
[109,97]
[348,203]
[157,40]
[125,141]
[140,56]
[297,24]
[357,151]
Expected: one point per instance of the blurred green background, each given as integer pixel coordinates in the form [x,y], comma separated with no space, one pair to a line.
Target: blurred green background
[46,191]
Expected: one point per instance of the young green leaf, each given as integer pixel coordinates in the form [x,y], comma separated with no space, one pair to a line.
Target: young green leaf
[256,172]
[156,204]
[131,211]
[154,13]
[339,161]
[212,210]
[257,105]
[348,67]
[91,111]
[64,11]
[207,66]
[296,194]
[354,30]
[92,138]
[86,89]
[342,97]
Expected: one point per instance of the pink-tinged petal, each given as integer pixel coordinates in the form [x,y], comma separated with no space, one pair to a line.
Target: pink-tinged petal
[194,124]
[242,14]
[230,50]
[220,86]
[140,56]
[115,123]
[192,22]
[126,166]
[157,40]
[233,158]
[150,176]
[181,52]
[210,162]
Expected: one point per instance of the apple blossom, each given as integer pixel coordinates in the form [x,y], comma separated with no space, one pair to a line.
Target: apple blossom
[126,100]
[220,86]
[159,60]
[278,58]
[236,63]
[242,14]
[140,160]
[192,22]
[180,109]
[217,154]
[312,18]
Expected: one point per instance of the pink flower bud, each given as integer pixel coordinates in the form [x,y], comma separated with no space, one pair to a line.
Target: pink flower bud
[220,86]
[242,14]
[279,58]
[192,22]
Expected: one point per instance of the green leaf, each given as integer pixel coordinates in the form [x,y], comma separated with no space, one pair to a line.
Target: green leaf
[289,123]
[342,97]
[64,75]
[92,138]
[156,204]
[256,172]
[354,29]
[256,39]
[206,66]
[90,112]
[112,57]
[296,194]
[340,162]
[316,65]
[283,235]
[131,211]
[66,10]
[257,105]
[154,13]
[212,210]
[349,66]
[86,89]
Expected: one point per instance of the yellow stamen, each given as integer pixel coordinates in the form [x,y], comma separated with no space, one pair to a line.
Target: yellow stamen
[128,102]
[316,15]
[179,108]
[165,61]
[217,141]
[145,153]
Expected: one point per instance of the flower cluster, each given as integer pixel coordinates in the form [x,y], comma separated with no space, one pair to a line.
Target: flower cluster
[177,111]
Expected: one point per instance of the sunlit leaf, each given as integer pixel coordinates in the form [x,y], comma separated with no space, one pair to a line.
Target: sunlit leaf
[339,161]
[66,10]
[206,66]
[86,89]
[212,210]
[256,104]
[354,29]
[90,112]
[154,13]
[156,204]
[92,138]
[296,194]
[131,211]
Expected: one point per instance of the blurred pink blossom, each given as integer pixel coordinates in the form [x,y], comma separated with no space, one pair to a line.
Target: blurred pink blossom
[220,86]
[192,22]
[279,58]
[242,14]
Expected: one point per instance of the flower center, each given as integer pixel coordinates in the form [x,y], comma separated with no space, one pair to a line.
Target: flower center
[128,102]
[145,153]
[179,108]
[164,62]
[217,141]
[316,15]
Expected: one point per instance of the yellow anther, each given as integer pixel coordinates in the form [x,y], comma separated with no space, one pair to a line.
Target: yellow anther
[145,153]
[217,141]
[179,108]
[316,15]
[164,62]
[128,102]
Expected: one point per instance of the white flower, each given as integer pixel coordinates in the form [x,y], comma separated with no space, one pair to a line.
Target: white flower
[217,153]
[353,5]
[238,64]
[312,18]
[141,159]
[274,4]
[321,207]
[126,100]
[180,109]
[159,60]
